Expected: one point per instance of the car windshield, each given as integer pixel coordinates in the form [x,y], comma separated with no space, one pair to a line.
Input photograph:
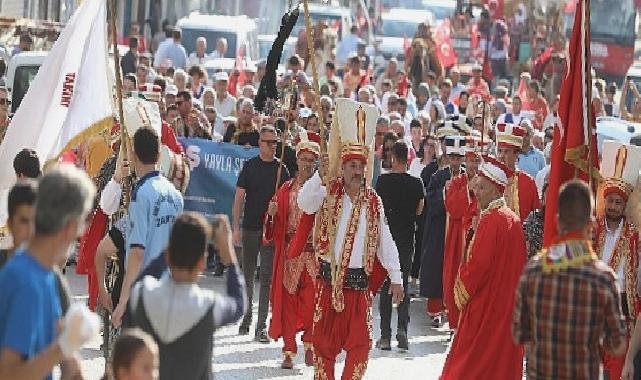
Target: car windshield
[21,82]
[189,37]
[399,28]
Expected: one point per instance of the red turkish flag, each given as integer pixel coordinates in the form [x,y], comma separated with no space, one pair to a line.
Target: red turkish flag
[445,51]
[576,129]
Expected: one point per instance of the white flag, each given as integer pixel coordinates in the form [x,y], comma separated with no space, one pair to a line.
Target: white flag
[69,99]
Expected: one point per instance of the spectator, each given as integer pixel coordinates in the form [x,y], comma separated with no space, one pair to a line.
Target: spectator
[26,164]
[176,52]
[221,48]
[457,87]
[245,132]
[209,97]
[199,57]
[537,103]
[32,341]
[499,48]
[161,55]
[294,64]
[390,73]
[129,84]
[330,75]
[248,92]
[402,196]
[610,105]
[225,103]
[514,117]
[477,85]
[195,122]
[170,95]
[129,60]
[463,102]
[180,80]
[633,115]
[197,87]
[142,72]
[181,315]
[347,47]
[155,203]
[255,187]
[134,356]
[4,112]
[22,198]
[531,159]
[25,44]
[568,291]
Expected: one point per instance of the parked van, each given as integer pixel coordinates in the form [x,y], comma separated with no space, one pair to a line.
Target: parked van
[240,31]
[21,71]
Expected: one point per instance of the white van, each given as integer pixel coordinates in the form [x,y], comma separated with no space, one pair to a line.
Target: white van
[240,31]
[21,71]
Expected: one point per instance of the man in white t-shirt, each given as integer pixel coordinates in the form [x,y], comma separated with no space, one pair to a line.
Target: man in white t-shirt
[225,104]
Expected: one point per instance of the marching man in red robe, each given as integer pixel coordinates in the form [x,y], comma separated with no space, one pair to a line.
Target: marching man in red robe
[294,273]
[354,244]
[521,193]
[484,290]
[462,210]
[616,238]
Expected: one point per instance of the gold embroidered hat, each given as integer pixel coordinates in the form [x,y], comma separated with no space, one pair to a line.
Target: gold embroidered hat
[355,128]
[509,135]
[620,167]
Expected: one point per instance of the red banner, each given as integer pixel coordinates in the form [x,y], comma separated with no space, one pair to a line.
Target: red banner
[445,50]
[575,127]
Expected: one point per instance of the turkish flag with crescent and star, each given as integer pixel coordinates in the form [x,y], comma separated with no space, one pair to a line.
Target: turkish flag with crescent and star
[444,50]
[574,149]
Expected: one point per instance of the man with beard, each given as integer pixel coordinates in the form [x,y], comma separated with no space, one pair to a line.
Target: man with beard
[353,242]
[521,193]
[245,132]
[484,288]
[616,239]
[462,211]
[435,221]
[294,273]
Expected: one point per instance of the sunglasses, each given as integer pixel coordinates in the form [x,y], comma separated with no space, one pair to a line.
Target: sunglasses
[179,102]
[269,142]
[4,101]
[380,134]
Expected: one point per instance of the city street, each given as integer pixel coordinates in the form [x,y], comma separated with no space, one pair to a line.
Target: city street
[239,357]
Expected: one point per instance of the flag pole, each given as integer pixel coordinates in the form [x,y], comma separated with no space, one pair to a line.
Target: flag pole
[312,61]
[114,37]
[587,62]
[123,130]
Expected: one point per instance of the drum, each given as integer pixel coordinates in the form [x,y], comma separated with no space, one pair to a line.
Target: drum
[175,167]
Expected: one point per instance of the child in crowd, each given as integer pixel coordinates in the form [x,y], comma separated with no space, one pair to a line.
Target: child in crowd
[134,356]
[179,314]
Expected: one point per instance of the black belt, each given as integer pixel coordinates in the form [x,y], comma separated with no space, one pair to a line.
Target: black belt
[355,278]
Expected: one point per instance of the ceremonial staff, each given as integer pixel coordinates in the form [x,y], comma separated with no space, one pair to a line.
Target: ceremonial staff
[312,61]
[123,129]
[292,104]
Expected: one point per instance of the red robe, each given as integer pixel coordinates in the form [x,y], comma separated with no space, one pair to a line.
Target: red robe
[483,347]
[625,251]
[289,248]
[461,207]
[524,197]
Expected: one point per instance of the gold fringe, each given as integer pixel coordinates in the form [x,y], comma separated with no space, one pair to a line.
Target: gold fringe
[90,131]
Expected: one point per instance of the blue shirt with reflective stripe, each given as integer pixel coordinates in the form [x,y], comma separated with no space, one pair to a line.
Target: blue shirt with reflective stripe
[155,204]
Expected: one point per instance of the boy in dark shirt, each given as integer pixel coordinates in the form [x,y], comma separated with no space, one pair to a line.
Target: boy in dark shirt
[402,196]
[179,314]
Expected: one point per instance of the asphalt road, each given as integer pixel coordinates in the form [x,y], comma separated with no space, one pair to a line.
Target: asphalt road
[239,357]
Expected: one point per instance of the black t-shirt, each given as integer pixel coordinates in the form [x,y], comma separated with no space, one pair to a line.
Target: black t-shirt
[244,138]
[258,178]
[401,194]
